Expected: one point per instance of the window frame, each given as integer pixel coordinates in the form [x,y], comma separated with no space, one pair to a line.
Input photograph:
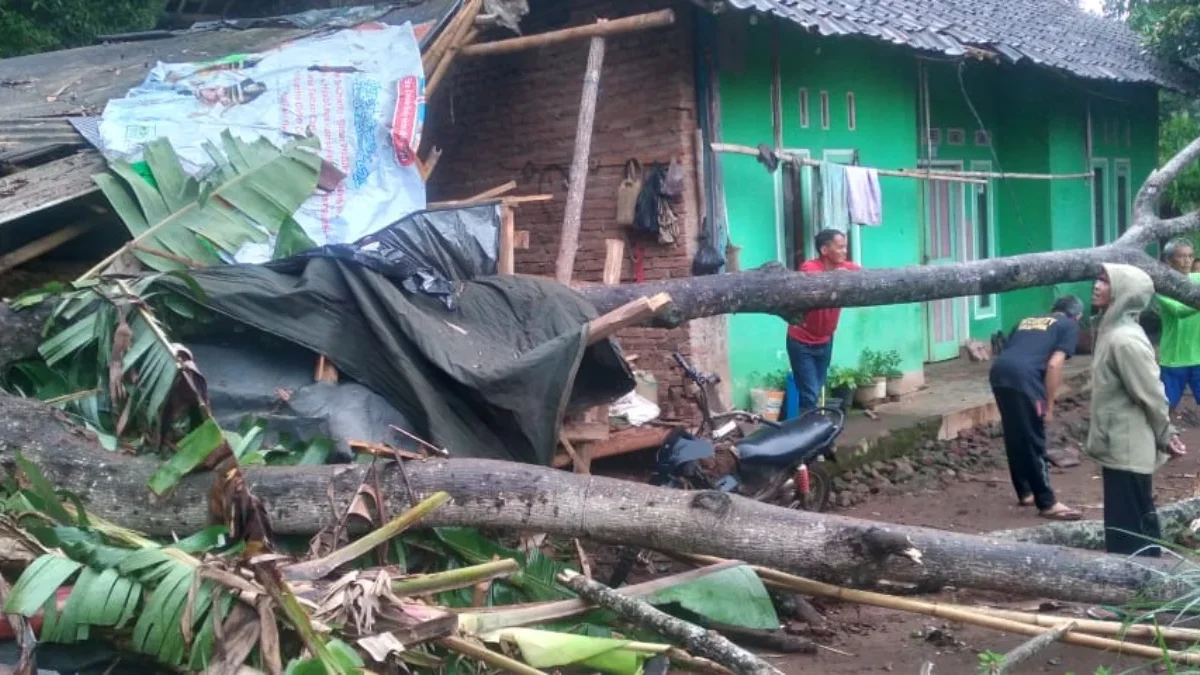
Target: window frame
[803,102]
[1102,164]
[1122,169]
[992,309]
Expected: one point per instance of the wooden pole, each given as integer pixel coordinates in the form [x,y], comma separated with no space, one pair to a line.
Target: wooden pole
[37,247]
[506,263]
[614,254]
[564,267]
[443,67]
[629,24]
[625,316]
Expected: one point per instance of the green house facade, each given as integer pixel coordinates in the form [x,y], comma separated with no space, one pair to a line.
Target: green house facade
[1071,109]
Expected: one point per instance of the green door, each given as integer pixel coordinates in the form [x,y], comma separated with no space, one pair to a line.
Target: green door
[943,221]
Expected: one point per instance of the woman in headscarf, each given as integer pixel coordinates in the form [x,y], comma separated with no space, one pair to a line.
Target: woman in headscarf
[1130,435]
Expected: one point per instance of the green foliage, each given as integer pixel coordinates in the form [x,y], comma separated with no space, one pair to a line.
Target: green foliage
[734,597]
[990,662]
[1178,126]
[30,26]
[775,380]
[252,193]
[841,377]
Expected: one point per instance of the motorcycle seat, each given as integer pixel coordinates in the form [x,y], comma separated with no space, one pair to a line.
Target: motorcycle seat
[788,443]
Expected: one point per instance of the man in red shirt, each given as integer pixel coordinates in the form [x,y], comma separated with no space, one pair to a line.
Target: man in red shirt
[810,343]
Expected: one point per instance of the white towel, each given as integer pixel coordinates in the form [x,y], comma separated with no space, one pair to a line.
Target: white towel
[865,202]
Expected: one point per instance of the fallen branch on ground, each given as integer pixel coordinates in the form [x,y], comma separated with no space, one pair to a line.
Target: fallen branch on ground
[708,644]
[955,613]
[1026,650]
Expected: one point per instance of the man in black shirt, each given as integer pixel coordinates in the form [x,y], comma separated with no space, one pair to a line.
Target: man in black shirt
[1025,380]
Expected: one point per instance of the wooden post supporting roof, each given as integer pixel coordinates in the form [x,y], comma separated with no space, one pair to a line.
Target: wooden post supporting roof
[564,266]
[629,24]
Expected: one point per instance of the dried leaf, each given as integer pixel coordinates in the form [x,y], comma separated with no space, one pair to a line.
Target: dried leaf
[238,637]
[268,646]
[121,341]
[189,609]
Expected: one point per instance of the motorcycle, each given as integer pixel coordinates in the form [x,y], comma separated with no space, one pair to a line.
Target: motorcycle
[777,464]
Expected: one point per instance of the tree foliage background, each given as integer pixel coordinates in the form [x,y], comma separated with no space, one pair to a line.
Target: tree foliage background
[29,26]
[1172,30]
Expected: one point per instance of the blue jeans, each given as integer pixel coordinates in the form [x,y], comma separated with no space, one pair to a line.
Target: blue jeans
[1177,380]
[810,364]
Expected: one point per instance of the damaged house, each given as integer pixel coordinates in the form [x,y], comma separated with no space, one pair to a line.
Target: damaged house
[994,128]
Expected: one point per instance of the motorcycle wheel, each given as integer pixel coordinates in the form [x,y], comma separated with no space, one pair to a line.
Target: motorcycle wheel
[820,490]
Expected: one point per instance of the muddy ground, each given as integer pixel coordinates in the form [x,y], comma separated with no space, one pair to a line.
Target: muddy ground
[963,485]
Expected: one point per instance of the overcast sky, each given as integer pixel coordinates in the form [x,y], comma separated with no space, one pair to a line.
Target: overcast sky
[1092,5]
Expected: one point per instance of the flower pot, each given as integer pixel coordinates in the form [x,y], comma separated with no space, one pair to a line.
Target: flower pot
[841,397]
[869,393]
[766,402]
[895,386]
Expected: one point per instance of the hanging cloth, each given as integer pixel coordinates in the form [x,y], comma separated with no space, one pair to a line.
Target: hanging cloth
[835,213]
[864,198]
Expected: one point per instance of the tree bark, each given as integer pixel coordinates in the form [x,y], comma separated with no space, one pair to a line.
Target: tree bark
[1089,534]
[508,495]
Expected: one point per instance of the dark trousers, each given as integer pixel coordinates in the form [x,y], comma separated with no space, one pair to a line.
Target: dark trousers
[810,365]
[1130,519]
[1025,445]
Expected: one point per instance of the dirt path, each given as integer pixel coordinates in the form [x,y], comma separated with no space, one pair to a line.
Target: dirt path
[889,641]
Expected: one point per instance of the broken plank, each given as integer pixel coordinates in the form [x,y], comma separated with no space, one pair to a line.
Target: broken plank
[629,24]
[494,192]
[50,184]
[614,256]
[626,315]
[568,246]
[619,443]
[506,264]
[325,370]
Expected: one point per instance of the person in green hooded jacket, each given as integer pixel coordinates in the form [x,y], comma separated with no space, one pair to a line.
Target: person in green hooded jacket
[1130,435]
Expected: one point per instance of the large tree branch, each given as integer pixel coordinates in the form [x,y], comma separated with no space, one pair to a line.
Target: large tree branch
[839,550]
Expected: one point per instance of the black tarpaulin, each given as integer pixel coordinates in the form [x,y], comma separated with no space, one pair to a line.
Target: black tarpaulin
[490,378]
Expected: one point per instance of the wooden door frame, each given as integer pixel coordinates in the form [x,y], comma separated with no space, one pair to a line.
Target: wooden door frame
[962,306]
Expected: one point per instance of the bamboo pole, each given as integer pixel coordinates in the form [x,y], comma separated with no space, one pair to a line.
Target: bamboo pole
[452,34]
[1026,650]
[629,24]
[564,265]
[951,613]
[939,174]
[485,655]
[456,578]
[443,67]
[614,255]
[1109,628]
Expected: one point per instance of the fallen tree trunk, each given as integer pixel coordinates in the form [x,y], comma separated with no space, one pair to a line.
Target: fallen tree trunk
[835,549]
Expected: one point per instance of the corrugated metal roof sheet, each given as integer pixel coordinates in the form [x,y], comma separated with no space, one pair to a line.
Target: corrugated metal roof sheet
[1051,33]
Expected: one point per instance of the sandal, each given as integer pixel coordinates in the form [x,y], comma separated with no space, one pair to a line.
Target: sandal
[1025,501]
[1060,512]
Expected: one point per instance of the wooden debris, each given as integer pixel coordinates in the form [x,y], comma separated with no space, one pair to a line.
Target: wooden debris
[325,371]
[568,247]
[614,256]
[629,24]
[42,245]
[507,262]
[521,239]
[620,443]
[626,315]
[430,163]
[591,425]
[705,643]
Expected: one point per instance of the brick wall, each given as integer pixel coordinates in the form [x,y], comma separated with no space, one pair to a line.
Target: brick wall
[513,117]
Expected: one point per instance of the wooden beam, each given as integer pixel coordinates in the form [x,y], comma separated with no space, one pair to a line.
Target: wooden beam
[626,315]
[325,371]
[564,265]
[629,24]
[521,239]
[515,200]
[614,256]
[40,246]
[619,443]
[443,68]
[458,28]
[506,263]
[494,192]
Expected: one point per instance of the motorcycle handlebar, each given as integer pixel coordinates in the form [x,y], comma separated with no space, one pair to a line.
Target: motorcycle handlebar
[702,379]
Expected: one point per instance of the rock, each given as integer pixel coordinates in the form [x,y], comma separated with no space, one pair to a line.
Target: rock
[950,473]
[903,470]
[845,499]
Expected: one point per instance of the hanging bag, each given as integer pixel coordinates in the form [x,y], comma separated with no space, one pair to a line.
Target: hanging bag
[627,193]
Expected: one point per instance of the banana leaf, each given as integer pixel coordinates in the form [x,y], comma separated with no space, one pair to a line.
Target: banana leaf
[254,189]
[546,649]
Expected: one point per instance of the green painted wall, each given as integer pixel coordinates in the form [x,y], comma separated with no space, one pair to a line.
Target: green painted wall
[1036,122]
[882,81]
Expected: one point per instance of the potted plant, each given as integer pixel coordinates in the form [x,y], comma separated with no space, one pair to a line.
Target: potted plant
[888,363]
[872,379]
[840,384]
[767,398]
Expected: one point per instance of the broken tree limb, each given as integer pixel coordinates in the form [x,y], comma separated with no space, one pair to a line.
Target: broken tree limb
[1026,650]
[628,24]
[629,314]
[698,641]
[516,496]
[564,266]
[1089,534]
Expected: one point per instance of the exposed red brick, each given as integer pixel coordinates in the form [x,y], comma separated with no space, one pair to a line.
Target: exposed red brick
[513,117]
